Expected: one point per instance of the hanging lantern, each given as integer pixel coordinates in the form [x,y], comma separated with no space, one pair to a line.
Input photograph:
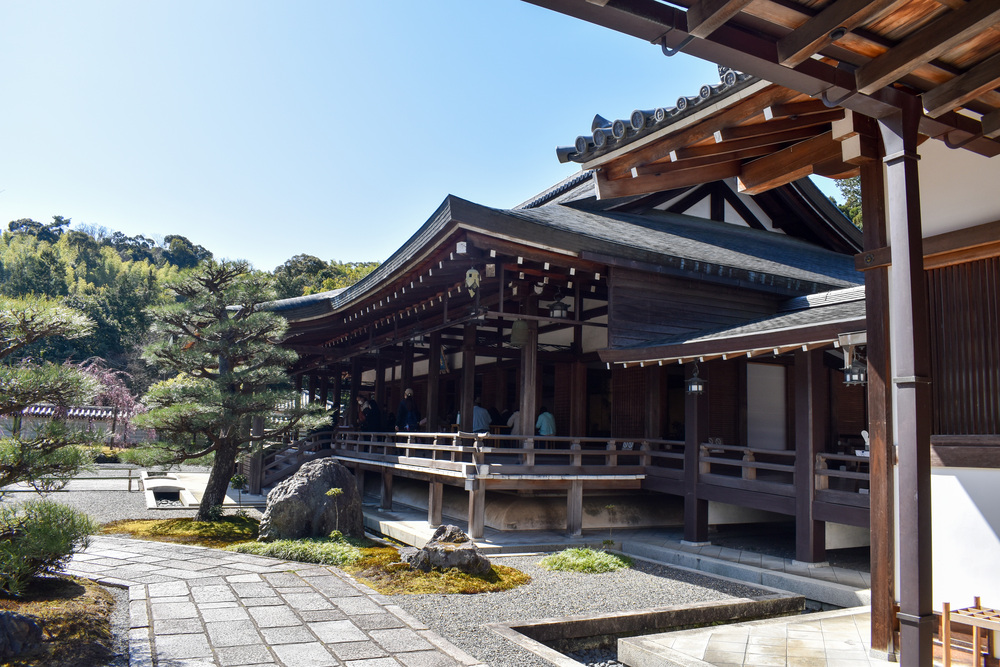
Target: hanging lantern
[519,333]
[856,373]
[559,308]
[695,385]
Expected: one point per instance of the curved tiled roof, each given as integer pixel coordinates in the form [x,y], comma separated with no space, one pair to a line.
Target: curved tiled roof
[607,135]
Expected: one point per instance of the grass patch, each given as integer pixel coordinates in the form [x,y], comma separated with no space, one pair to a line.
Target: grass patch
[324,551]
[399,578]
[228,530]
[75,618]
[588,561]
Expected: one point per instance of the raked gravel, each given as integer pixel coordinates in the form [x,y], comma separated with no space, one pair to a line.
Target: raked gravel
[461,618]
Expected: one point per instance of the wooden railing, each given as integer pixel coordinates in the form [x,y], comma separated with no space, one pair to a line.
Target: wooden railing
[494,456]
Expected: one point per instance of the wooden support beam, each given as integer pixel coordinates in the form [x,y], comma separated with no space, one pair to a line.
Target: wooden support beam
[385,502]
[929,42]
[780,125]
[858,149]
[574,508]
[707,157]
[831,24]
[607,189]
[956,92]
[787,165]
[435,501]
[784,110]
[477,509]
[696,425]
[991,125]
[705,16]
[811,419]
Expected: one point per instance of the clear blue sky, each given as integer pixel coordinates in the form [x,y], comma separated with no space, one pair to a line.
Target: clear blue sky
[262,130]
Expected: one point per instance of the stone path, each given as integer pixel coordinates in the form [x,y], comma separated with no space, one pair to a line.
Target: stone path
[194,607]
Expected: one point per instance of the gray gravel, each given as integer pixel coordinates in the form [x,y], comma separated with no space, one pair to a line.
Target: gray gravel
[461,618]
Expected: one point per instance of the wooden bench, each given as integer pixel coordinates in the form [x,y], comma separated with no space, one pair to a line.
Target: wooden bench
[979,618]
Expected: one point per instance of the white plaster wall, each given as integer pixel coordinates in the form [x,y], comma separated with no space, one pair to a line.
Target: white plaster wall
[958,188]
[966,536]
[842,536]
[766,406]
[702,209]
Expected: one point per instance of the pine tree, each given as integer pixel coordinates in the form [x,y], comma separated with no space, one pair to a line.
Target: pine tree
[221,347]
[48,454]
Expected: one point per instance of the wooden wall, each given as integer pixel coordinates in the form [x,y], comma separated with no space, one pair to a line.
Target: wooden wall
[964,310]
[628,402]
[644,307]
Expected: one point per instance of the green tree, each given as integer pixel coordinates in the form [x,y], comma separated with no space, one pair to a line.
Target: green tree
[222,348]
[850,190]
[51,451]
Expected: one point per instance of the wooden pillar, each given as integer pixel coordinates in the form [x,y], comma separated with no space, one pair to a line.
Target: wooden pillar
[406,368]
[435,500]
[909,339]
[324,391]
[256,457]
[695,433]
[468,376]
[338,387]
[812,406]
[654,401]
[352,404]
[882,479]
[380,396]
[578,374]
[434,383]
[359,481]
[386,500]
[574,508]
[529,380]
[477,508]
[313,388]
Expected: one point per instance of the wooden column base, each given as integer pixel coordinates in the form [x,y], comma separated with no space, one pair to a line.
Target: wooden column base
[435,498]
[574,508]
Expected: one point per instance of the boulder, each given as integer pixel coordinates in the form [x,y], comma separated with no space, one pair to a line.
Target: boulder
[300,507]
[18,634]
[448,548]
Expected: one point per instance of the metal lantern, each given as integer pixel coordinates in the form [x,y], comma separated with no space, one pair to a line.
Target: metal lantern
[696,385]
[519,333]
[559,308]
[856,373]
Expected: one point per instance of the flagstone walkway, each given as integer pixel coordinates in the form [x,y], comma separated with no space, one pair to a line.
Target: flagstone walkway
[194,607]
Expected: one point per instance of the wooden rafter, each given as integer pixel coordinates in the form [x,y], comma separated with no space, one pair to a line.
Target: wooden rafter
[822,30]
[961,89]
[771,127]
[788,165]
[927,43]
[738,112]
[625,187]
[737,145]
[704,16]
[683,160]
[789,109]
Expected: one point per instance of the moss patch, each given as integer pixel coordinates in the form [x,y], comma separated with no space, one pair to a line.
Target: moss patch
[588,561]
[75,615]
[226,531]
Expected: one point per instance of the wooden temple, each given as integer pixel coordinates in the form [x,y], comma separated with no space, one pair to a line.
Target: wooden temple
[917,83]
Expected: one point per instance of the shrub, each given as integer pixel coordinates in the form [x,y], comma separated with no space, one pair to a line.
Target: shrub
[588,561]
[38,537]
[335,551]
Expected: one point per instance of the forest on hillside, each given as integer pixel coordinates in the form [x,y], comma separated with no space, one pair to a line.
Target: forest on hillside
[114,279]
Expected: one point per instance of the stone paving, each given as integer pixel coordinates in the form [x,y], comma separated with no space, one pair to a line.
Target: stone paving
[194,607]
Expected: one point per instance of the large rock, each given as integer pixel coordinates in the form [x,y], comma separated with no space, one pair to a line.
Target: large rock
[300,507]
[18,634]
[450,548]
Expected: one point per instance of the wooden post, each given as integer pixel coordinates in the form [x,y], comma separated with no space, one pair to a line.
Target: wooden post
[386,500]
[945,633]
[881,463]
[468,376]
[695,433]
[352,404]
[313,388]
[435,500]
[406,367]
[529,380]
[654,401]
[477,508]
[574,508]
[909,336]
[380,397]
[338,387]
[256,456]
[811,410]
[324,391]
[433,413]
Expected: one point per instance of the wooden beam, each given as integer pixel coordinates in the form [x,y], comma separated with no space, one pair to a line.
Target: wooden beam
[794,109]
[823,29]
[683,162]
[930,42]
[787,165]
[991,125]
[705,16]
[624,187]
[736,145]
[740,111]
[858,149]
[961,89]
[774,126]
